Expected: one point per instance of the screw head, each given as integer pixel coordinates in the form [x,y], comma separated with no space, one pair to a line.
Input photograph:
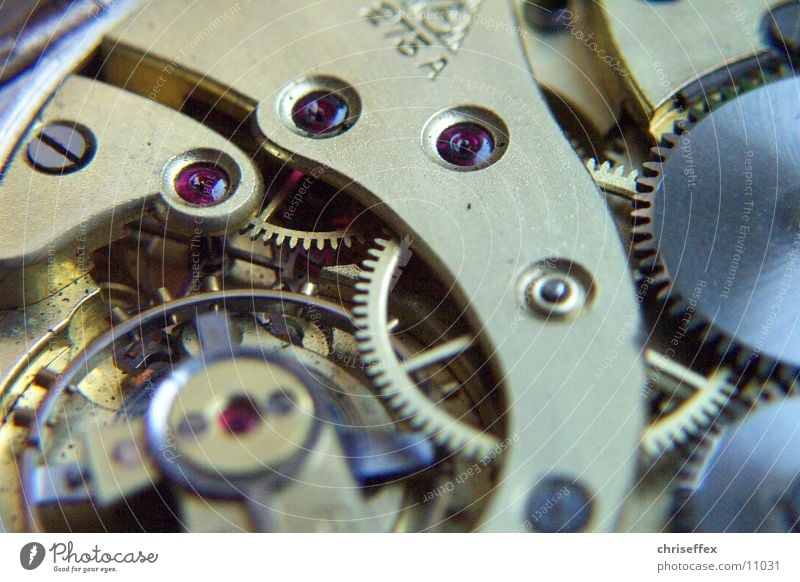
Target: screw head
[555,289]
[558,505]
[783,27]
[61,147]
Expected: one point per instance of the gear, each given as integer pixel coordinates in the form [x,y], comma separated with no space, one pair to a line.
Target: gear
[703,253]
[749,478]
[333,402]
[284,203]
[693,416]
[751,395]
[613,179]
[392,375]
[714,236]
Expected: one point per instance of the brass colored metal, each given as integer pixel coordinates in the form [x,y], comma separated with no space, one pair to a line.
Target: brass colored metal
[431,341]
[52,223]
[537,175]
[119,465]
[254,386]
[667,47]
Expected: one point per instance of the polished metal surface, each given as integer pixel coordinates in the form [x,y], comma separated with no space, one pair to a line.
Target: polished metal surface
[390,265]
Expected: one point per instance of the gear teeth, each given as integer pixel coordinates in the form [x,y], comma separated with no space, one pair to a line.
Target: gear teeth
[669,141]
[752,395]
[360,310]
[653,167]
[370,358]
[647,261]
[613,179]
[260,225]
[369,265]
[647,185]
[393,383]
[697,414]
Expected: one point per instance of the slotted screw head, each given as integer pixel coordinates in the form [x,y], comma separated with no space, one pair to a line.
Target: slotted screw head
[61,148]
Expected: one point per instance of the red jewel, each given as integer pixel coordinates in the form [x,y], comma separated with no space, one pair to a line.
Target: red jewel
[239,417]
[202,184]
[319,112]
[465,144]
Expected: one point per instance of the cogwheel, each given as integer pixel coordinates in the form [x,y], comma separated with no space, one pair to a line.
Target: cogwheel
[695,415]
[757,74]
[267,225]
[391,375]
[746,479]
[754,394]
[613,179]
[710,243]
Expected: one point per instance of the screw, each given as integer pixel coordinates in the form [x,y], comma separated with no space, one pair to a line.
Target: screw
[554,294]
[558,504]
[61,148]
[555,289]
[783,27]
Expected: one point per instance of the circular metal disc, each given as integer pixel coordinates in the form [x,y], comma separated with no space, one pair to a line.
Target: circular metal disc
[727,220]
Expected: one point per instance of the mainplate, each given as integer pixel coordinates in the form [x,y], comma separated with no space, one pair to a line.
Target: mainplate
[383,265]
